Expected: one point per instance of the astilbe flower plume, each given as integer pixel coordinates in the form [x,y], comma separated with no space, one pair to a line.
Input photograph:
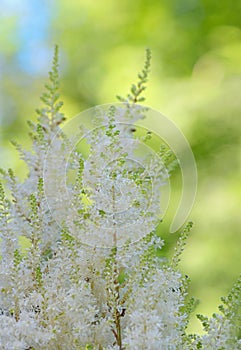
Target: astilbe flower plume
[89,277]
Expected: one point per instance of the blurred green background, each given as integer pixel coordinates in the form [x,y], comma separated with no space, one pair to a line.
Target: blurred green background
[195,81]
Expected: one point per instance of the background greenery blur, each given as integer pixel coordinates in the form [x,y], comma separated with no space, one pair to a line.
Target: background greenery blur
[195,81]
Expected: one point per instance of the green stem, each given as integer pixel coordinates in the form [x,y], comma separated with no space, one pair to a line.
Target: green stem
[117,315]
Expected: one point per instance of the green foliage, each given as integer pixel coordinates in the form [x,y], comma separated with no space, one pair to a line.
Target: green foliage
[168,158]
[4,203]
[181,242]
[17,257]
[205,322]
[231,306]
[137,89]
[51,99]
[66,237]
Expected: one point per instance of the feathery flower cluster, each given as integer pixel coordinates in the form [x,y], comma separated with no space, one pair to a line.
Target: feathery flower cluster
[88,275]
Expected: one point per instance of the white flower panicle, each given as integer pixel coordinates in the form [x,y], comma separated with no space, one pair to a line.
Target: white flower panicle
[80,260]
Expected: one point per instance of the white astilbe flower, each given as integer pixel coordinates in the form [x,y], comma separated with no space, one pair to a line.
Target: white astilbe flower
[23,333]
[90,274]
[154,317]
[220,335]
